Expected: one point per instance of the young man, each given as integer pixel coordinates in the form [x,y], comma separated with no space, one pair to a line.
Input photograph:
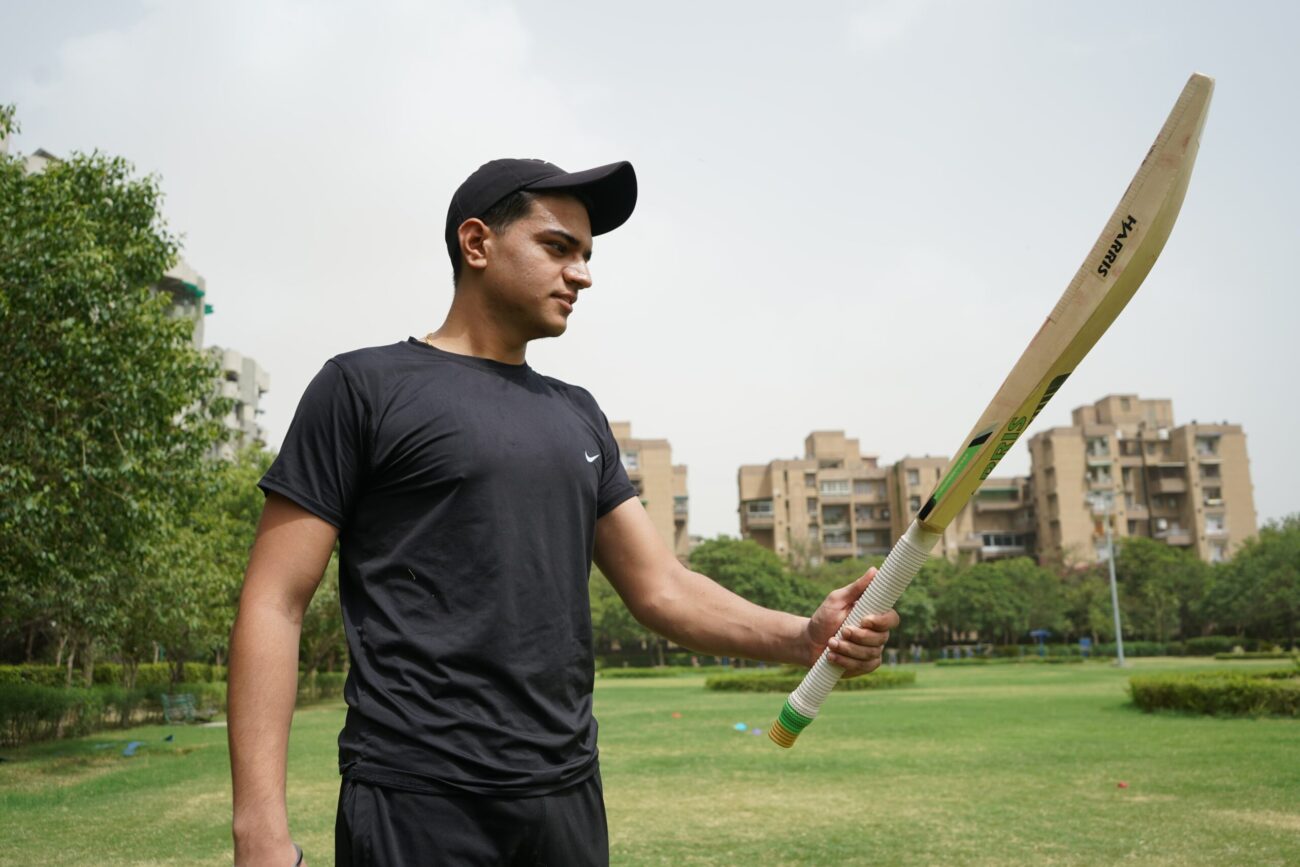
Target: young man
[468,493]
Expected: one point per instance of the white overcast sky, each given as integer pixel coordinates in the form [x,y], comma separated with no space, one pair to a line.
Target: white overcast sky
[852,215]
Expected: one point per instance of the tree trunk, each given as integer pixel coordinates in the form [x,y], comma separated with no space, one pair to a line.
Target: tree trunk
[63,642]
[31,643]
[72,654]
[88,664]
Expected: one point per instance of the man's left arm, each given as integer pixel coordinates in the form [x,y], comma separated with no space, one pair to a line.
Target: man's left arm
[696,612]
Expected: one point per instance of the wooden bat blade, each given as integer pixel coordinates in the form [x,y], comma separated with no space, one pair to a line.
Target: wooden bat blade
[1112,272]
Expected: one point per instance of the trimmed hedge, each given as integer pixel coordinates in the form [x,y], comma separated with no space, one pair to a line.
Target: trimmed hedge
[151,674]
[786,681]
[664,671]
[1228,693]
[1256,654]
[1013,660]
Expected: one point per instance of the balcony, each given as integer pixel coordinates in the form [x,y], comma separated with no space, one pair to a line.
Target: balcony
[998,505]
[1168,485]
[1176,536]
[1137,511]
[759,519]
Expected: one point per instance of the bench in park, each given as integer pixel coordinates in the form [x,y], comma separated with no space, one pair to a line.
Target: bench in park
[182,708]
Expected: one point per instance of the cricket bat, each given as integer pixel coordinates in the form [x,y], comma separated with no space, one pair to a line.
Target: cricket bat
[1113,270]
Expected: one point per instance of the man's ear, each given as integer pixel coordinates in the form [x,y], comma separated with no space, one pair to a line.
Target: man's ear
[473,235]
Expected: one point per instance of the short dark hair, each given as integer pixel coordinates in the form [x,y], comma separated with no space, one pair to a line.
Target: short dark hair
[511,209]
[498,218]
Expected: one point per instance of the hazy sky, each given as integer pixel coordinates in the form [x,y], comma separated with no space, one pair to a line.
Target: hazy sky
[852,216]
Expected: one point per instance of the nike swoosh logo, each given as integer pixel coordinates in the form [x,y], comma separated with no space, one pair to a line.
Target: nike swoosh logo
[590,458]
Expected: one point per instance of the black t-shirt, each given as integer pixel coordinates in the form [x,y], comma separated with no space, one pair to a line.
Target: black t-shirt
[466,493]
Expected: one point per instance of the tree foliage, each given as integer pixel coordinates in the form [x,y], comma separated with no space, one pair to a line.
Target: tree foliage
[104,397]
[756,573]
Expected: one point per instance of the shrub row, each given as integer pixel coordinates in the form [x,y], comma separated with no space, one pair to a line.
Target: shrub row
[148,675]
[1011,660]
[32,712]
[1219,692]
[1256,654]
[664,671]
[786,681]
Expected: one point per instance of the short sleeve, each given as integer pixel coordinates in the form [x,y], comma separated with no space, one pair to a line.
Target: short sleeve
[322,459]
[615,487]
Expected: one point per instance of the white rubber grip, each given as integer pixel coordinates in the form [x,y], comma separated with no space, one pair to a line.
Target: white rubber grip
[898,570]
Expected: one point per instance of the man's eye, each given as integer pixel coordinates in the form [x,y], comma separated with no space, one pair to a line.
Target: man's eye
[556,246]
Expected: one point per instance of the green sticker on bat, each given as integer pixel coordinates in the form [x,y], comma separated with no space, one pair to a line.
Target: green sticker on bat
[966,457]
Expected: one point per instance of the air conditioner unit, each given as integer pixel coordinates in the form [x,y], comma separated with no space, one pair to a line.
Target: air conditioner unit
[1162,434]
[1162,524]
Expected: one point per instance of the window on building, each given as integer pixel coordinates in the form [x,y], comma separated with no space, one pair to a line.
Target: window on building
[861,514]
[681,505]
[914,503]
[835,516]
[631,461]
[836,538]
[1213,496]
[914,477]
[835,487]
[1099,476]
[1125,404]
[811,506]
[1214,524]
[758,508]
[1210,472]
[884,513]
[810,480]
[1098,447]
[1218,552]
[1207,445]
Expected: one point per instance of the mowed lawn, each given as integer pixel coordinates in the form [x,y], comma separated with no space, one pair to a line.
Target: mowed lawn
[989,765]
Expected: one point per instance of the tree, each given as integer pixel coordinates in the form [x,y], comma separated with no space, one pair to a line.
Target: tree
[612,625]
[1259,589]
[1161,587]
[985,598]
[752,571]
[105,400]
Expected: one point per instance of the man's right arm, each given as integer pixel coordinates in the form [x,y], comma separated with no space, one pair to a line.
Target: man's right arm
[288,558]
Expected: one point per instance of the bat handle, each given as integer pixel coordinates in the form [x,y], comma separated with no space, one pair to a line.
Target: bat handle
[900,567]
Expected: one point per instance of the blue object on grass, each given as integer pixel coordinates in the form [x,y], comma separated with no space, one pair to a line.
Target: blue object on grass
[170,738]
[740,727]
[132,747]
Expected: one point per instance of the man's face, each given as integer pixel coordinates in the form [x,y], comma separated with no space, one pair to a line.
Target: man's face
[537,265]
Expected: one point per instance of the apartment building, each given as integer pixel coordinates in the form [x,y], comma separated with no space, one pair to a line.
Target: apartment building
[1124,460]
[836,503]
[659,483]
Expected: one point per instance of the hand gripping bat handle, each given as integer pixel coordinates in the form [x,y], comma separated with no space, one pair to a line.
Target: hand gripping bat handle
[898,570]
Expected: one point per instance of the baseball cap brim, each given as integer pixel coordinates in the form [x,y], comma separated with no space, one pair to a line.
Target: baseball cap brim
[609,192]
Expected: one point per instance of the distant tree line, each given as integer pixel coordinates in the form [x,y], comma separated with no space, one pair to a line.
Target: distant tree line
[1166,594]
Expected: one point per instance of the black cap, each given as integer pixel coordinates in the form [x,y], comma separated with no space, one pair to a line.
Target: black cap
[608,191]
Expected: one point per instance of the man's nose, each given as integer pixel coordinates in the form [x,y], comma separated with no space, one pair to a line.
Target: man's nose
[578,275]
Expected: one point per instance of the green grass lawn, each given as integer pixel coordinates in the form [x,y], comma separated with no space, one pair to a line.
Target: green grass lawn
[996,765]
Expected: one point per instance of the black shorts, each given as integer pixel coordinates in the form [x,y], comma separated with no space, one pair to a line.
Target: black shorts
[387,827]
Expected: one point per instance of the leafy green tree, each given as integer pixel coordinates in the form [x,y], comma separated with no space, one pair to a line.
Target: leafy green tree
[985,598]
[1258,591]
[104,397]
[323,644]
[1161,587]
[1086,603]
[748,569]
[612,625]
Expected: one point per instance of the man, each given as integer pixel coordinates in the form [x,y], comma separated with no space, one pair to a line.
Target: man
[467,493]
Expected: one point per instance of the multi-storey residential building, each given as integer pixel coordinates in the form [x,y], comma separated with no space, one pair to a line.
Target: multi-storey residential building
[836,503]
[240,378]
[660,485]
[1124,461]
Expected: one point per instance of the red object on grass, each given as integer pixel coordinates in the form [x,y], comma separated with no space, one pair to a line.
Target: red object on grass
[1123,785]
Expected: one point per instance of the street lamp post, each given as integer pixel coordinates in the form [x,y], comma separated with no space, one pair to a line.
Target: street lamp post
[1104,501]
